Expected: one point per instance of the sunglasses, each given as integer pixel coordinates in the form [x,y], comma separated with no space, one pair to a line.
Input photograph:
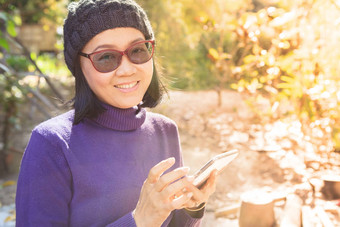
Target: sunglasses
[105,61]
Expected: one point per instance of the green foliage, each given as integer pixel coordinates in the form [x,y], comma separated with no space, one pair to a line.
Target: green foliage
[8,26]
[17,79]
[176,39]
[33,11]
[12,92]
[275,53]
[52,65]
[18,63]
[284,53]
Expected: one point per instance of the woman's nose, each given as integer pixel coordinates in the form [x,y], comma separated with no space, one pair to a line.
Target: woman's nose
[126,67]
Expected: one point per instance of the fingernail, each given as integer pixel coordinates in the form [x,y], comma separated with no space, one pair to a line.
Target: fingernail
[190,178]
[185,169]
[190,194]
[171,160]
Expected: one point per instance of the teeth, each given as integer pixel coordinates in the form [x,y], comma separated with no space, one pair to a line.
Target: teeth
[126,86]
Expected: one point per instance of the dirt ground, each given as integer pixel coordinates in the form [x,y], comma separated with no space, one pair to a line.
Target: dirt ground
[272,159]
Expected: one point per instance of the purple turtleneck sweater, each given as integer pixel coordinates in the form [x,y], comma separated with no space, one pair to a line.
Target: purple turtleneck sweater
[91,174]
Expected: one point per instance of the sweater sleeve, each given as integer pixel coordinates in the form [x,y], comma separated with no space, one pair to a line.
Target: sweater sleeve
[181,218]
[44,188]
[44,185]
[125,221]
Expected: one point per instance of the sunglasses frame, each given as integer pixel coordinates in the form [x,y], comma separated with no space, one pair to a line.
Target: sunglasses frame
[122,53]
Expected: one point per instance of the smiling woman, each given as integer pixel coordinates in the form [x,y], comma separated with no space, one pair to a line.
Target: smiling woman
[108,162]
[126,72]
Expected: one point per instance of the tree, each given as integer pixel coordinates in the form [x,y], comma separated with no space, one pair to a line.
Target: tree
[286,56]
[20,79]
[33,11]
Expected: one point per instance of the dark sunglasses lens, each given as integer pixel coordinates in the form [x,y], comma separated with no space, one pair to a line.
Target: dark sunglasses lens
[140,53]
[106,61]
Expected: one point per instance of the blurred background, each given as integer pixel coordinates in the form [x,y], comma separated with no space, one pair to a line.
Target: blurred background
[261,76]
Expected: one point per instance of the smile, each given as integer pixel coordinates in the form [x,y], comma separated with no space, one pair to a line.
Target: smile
[126,86]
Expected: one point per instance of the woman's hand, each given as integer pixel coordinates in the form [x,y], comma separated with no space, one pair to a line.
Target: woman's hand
[158,195]
[201,195]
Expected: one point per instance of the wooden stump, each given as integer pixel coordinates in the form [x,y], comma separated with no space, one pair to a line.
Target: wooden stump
[331,187]
[291,216]
[257,209]
[323,217]
[308,217]
[230,210]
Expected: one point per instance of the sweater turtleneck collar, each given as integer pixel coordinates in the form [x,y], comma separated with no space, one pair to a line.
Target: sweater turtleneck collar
[121,119]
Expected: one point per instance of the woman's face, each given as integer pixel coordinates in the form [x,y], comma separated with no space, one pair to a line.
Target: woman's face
[125,86]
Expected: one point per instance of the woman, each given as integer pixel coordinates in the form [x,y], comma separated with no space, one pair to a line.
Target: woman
[108,162]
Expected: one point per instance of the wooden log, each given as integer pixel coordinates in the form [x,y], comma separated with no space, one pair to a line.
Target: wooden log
[333,208]
[292,212]
[234,209]
[331,187]
[308,217]
[326,221]
[225,211]
[257,209]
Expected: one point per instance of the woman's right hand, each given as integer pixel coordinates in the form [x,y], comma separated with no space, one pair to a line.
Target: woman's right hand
[158,195]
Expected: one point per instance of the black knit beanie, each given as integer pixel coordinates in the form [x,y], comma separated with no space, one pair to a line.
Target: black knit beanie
[87,18]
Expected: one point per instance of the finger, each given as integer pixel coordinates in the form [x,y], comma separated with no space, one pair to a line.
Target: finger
[175,188]
[170,177]
[181,201]
[190,186]
[202,195]
[156,171]
[211,180]
[199,195]
[189,204]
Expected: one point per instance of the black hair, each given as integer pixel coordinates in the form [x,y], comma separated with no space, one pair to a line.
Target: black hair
[87,105]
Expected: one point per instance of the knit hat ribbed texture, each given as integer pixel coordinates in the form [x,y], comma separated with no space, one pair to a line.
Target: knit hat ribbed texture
[87,18]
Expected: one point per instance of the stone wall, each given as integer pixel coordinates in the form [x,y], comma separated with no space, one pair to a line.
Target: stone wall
[38,38]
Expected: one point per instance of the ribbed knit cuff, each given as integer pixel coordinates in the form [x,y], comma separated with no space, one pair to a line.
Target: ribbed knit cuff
[196,213]
[190,221]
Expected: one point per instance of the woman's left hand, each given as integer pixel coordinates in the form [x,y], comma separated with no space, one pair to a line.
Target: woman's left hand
[202,195]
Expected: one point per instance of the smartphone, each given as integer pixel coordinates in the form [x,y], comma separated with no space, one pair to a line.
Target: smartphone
[218,162]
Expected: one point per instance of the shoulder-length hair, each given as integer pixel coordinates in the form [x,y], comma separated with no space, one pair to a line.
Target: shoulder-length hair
[87,105]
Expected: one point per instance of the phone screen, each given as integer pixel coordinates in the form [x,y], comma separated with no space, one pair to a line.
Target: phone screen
[218,162]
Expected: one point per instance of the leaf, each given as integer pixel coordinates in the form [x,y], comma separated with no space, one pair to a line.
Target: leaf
[283,19]
[4,44]
[285,85]
[34,56]
[249,59]
[17,20]
[287,92]
[213,53]
[10,218]
[287,79]
[11,29]
[248,19]
[46,28]
[8,183]
[234,86]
